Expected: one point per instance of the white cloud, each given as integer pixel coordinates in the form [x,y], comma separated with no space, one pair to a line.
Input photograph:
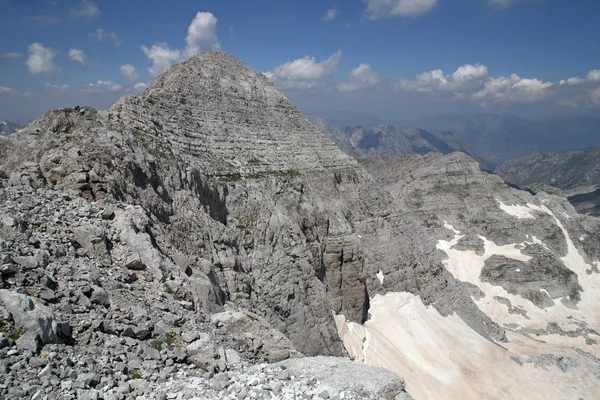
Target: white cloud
[78,55]
[330,14]
[465,78]
[139,87]
[40,59]
[304,72]
[592,76]
[595,96]
[55,86]
[102,86]
[362,77]
[472,82]
[202,34]
[11,55]
[129,72]
[101,34]
[162,57]
[513,88]
[87,9]
[4,89]
[392,8]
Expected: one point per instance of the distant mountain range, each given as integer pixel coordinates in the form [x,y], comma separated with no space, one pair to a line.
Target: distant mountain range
[565,170]
[501,137]
[577,172]
[392,141]
[8,128]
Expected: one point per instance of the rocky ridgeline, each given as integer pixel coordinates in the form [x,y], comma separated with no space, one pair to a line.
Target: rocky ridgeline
[173,244]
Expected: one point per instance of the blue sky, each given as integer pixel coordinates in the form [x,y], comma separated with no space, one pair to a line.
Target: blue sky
[387,59]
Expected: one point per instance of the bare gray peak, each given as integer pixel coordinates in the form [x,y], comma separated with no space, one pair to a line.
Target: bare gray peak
[231,119]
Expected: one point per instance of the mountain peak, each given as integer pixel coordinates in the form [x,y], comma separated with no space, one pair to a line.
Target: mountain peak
[231,118]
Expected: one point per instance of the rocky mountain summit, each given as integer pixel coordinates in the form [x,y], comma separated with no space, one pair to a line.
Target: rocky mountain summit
[204,240]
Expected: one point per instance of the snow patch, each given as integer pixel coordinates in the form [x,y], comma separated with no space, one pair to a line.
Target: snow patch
[443,358]
[521,212]
[380,276]
[448,226]
[466,266]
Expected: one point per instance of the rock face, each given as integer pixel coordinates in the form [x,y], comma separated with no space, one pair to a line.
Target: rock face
[206,226]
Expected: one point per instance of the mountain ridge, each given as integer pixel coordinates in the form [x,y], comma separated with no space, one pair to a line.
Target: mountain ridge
[206,226]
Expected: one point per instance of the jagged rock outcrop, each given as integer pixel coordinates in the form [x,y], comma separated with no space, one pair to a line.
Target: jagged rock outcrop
[206,226]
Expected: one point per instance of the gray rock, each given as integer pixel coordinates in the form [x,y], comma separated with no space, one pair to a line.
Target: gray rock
[35,320]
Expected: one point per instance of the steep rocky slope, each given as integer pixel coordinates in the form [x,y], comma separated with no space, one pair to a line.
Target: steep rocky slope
[206,226]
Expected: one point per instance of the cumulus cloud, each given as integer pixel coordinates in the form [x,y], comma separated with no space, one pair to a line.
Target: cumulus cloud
[101,34]
[40,60]
[11,55]
[202,35]
[87,9]
[162,57]
[472,82]
[139,87]
[102,86]
[78,55]
[513,88]
[465,78]
[592,76]
[330,14]
[304,73]
[129,72]
[55,86]
[398,8]
[362,77]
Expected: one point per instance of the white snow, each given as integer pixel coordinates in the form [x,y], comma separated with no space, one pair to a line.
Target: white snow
[380,276]
[467,265]
[521,212]
[443,358]
[448,226]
